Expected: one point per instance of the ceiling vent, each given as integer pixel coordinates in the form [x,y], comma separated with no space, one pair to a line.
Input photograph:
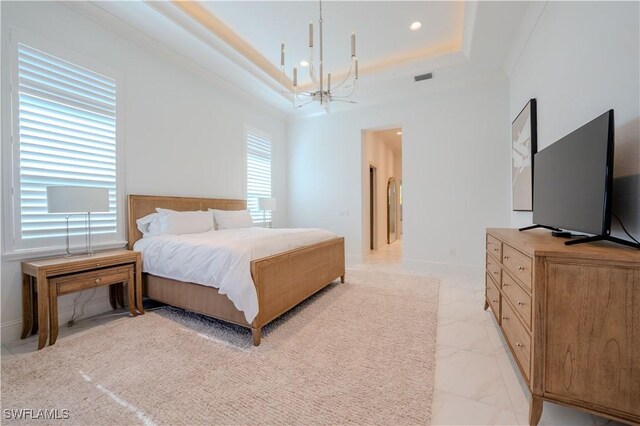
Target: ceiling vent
[421,77]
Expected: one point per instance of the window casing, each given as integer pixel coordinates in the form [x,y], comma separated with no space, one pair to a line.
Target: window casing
[258,173]
[65,131]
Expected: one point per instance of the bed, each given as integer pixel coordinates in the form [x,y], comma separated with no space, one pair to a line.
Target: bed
[281,280]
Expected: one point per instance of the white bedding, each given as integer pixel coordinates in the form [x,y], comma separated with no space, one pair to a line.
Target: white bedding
[222,259]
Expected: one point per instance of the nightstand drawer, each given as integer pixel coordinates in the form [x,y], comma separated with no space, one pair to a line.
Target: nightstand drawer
[77,282]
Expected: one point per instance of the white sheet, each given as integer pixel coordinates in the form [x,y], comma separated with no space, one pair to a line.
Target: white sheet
[222,259]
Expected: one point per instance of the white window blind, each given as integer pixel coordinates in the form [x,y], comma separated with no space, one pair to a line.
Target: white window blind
[258,174]
[67,136]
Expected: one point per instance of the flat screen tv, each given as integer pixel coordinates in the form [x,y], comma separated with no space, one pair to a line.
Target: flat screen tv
[573,179]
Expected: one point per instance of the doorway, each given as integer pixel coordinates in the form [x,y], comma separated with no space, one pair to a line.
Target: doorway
[372,204]
[381,189]
[392,211]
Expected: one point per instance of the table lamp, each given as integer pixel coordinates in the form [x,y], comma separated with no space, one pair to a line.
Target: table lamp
[78,200]
[265,204]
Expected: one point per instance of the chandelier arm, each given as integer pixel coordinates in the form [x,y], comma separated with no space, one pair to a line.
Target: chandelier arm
[304,99]
[304,104]
[312,73]
[347,78]
[354,88]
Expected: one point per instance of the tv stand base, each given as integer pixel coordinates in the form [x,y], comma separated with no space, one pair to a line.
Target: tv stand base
[603,238]
[551,228]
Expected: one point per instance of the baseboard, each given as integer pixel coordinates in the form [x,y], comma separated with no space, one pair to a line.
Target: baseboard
[11,330]
[444,270]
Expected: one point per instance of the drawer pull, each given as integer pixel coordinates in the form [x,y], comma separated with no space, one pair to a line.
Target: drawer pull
[505,284]
[520,304]
[496,249]
[519,345]
[505,257]
[505,318]
[97,264]
[520,268]
[98,280]
[495,272]
[495,301]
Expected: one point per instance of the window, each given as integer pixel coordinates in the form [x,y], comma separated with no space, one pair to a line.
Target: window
[258,174]
[64,133]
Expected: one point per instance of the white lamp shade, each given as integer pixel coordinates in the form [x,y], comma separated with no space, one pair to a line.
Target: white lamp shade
[77,199]
[267,204]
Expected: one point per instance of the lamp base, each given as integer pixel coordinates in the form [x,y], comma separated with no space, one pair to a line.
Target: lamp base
[88,252]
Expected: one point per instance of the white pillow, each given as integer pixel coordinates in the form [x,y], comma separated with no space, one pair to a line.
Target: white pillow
[191,222]
[149,225]
[232,219]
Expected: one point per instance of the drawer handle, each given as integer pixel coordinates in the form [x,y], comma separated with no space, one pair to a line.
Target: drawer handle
[520,304]
[520,345]
[98,280]
[495,301]
[520,268]
[505,284]
[97,264]
[505,318]
[496,249]
[495,272]
[505,257]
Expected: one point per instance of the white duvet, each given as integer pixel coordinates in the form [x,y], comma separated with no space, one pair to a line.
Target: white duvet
[222,259]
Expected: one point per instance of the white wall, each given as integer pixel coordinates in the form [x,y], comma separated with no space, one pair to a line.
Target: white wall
[455,172]
[378,153]
[183,135]
[582,59]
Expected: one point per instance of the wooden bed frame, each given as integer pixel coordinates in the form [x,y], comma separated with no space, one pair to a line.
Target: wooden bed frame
[282,281]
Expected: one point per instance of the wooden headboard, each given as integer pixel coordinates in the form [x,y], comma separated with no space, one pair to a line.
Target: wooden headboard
[142,205]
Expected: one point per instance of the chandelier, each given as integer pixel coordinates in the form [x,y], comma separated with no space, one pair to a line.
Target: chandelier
[322,91]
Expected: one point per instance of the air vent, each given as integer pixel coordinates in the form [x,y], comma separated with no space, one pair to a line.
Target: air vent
[421,77]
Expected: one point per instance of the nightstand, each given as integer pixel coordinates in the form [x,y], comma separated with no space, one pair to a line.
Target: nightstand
[43,280]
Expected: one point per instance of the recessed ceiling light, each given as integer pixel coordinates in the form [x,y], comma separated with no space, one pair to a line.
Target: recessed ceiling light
[304,64]
[415,26]
[398,133]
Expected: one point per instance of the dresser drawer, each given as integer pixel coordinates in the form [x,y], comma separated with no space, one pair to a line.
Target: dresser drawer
[519,299]
[493,297]
[518,264]
[493,268]
[77,282]
[518,338]
[494,246]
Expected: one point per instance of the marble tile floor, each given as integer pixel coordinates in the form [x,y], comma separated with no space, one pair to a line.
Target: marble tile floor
[476,380]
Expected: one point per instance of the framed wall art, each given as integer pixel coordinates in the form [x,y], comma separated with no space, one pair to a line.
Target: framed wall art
[524,144]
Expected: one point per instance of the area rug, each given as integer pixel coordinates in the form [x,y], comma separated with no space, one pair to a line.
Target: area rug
[362,352]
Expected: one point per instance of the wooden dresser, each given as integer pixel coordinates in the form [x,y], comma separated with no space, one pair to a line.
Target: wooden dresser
[571,316]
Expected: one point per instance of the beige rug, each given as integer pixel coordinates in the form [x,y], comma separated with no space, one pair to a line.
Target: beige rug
[360,352]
